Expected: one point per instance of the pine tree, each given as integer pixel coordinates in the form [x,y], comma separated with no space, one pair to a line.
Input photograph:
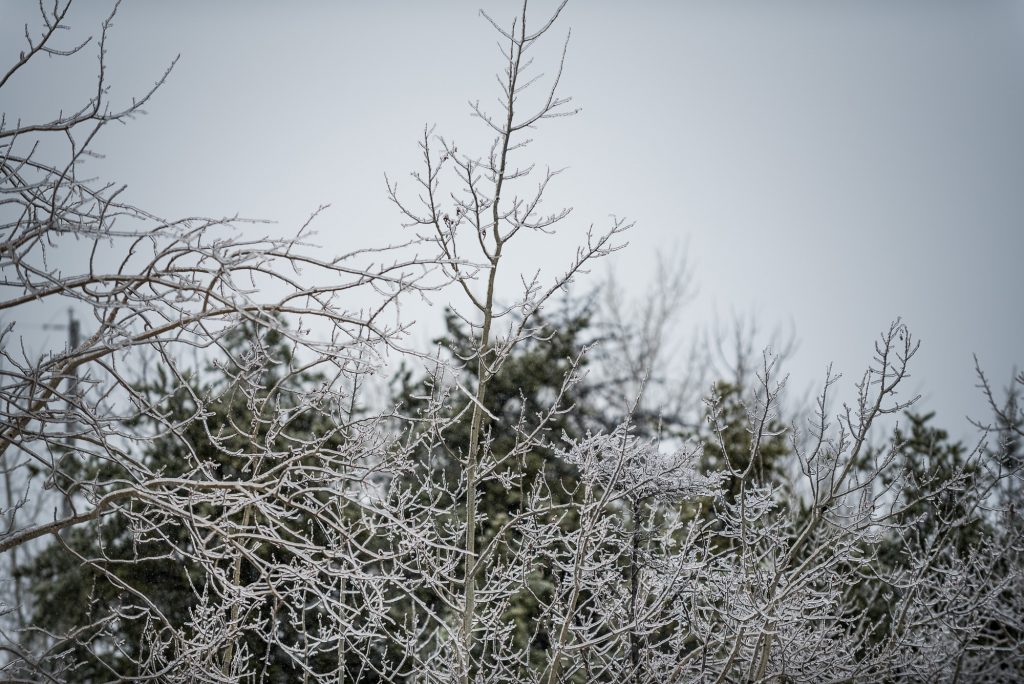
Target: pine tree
[531,382]
[114,565]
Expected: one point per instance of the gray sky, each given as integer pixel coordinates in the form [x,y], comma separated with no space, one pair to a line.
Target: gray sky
[832,165]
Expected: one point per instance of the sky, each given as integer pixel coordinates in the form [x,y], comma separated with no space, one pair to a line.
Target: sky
[828,165]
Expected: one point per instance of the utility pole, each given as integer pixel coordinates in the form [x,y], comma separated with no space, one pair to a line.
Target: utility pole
[70,425]
[9,468]
[73,341]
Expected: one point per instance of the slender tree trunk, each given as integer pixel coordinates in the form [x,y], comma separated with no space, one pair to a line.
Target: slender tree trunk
[236,577]
[634,589]
[483,371]
[476,425]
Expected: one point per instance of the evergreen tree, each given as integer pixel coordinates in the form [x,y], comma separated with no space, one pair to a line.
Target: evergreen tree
[733,423]
[938,511]
[530,393]
[928,457]
[113,566]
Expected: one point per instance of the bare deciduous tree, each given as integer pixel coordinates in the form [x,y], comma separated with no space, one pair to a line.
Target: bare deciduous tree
[75,422]
[210,427]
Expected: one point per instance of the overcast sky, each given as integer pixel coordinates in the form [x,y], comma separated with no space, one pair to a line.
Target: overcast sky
[831,165]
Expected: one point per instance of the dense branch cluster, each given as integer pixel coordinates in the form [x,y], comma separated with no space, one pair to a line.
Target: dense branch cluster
[200,487]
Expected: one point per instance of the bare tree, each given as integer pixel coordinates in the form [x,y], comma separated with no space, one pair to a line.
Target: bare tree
[472,218]
[211,424]
[641,359]
[75,422]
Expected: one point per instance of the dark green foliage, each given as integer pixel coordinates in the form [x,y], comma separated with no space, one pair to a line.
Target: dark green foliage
[729,448]
[110,565]
[939,510]
[944,489]
[105,565]
[524,389]
[1006,446]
